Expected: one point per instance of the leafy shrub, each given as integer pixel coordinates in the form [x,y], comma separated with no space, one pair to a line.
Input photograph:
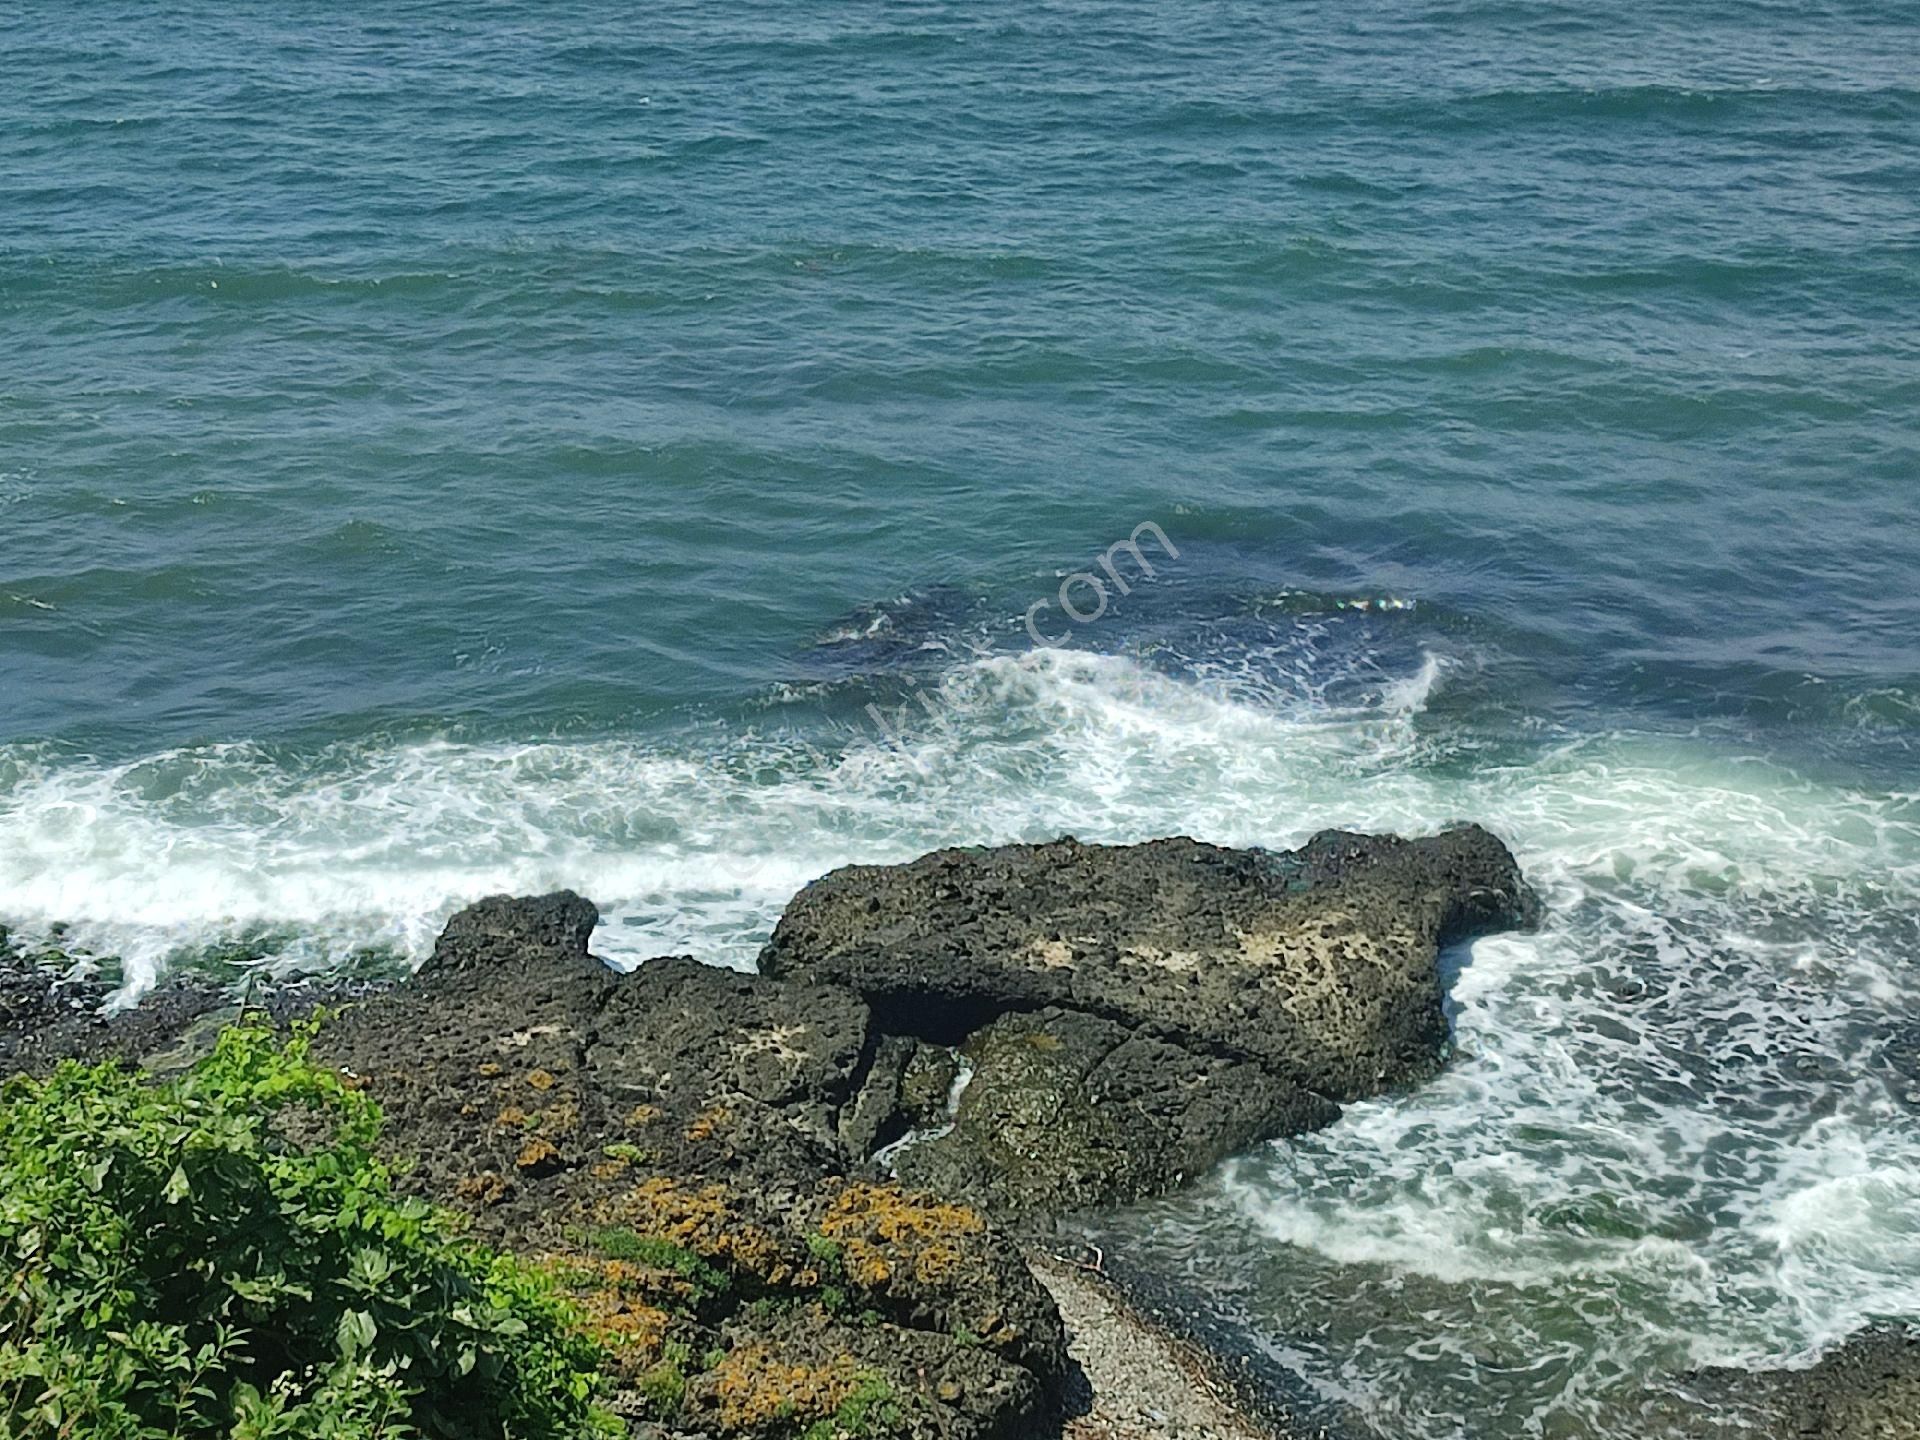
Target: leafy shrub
[224,1255]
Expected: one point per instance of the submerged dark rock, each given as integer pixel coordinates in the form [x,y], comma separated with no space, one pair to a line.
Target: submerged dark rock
[1867,1388]
[1136,1013]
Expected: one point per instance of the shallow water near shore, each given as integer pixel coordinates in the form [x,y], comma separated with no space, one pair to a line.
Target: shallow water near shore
[440,457]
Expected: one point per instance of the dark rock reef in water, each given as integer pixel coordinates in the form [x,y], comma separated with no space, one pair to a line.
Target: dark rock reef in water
[702,1152]
[52,1008]
[1134,1014]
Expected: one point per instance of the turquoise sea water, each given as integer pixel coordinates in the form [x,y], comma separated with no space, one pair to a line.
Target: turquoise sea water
[444,451]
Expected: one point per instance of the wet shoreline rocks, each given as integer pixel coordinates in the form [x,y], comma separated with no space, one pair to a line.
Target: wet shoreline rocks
[668,1145]
[800,1202]
[1866,1388]
[1134,1014]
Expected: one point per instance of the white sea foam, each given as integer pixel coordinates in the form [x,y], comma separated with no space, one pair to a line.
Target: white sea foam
[691,847]
[696,845]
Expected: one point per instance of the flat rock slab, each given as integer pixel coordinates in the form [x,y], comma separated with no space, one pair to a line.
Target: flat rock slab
[1136,1013]
[1319,962]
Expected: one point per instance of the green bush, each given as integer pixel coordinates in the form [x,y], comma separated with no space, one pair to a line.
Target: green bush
[224,1255]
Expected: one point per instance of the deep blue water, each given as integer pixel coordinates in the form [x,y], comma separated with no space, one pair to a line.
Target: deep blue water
[452,450]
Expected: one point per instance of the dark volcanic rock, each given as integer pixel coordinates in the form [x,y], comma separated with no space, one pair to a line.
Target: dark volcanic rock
[1319,963]
[537,936]
[926,1084]
[1195,998]
[513,1041]
[1867,1389]
[691,1147]
[706,1122]
[679,1033]
[49,1014]
[982,1396]
[1067,1109]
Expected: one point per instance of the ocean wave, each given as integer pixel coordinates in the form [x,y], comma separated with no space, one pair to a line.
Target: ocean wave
[694,843]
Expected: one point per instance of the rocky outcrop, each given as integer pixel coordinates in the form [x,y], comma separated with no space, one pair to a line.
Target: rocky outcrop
[689,1140]
[683,1147]
[1067,1110]
[702,1155]
[1136,1013]
[54,1008]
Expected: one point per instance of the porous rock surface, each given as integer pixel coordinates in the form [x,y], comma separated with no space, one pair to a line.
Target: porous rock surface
[1136,1013]
[1867,1388]
[681,1134]
[1067,1110]
[683,1146]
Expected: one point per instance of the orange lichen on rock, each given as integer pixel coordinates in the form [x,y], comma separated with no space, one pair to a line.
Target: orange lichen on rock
[704,1221]
[512,1116]
[755,1388]
[540,1079]
[708,1122]
[489,1187]
[642,1115]
[631,1331]
[881,1228]
[538,1154]
[613,1306]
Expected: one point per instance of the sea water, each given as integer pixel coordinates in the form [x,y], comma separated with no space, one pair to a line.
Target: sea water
[452,452]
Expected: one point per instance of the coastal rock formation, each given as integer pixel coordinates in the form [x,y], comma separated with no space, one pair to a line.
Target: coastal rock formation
[53,1008]
[682,1146]
[1066,1110]
[688,1139]
[1136,1013]
[703,1155]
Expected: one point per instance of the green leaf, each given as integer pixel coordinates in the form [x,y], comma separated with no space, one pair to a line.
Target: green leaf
[356,1331]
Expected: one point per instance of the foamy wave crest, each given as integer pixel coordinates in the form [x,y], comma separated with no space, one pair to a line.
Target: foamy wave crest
[692,844]
[695,843]
[1683,1125]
